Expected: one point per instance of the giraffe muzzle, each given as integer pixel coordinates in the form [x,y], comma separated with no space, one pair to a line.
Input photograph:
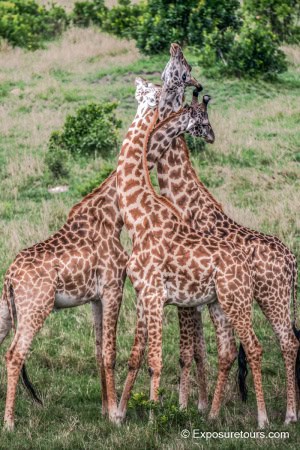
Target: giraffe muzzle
[195,83]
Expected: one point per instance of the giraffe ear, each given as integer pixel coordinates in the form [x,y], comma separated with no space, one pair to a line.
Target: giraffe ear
[140,82]
[175,50]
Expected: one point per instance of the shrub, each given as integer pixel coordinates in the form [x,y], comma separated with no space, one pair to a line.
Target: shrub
[254,51]
[195,145]
[92,131]
[57,158]
[26,24]
[161,23]
[212,16]
[282,16]
[165,21]
[88,12]
[105,171]
[122,20]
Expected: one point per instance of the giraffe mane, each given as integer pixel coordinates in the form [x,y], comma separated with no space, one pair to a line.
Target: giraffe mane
[195,176]
[160,198]
[95,191]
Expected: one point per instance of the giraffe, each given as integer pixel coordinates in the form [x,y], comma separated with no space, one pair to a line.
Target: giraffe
[83,262]
[192,344]
[170,262]
[274,268]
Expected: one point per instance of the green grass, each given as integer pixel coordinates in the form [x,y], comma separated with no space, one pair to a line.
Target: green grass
[253,169]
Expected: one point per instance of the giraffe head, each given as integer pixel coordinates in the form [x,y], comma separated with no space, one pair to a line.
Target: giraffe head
[176,76]
[199,125]
[147,95]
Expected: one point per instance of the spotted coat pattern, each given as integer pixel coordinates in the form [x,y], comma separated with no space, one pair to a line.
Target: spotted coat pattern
[172,264]
[273,267]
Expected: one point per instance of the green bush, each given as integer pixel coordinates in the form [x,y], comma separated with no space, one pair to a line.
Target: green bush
[89,186]
[252,52]
[122,19]
[195,145]
[88,12]
[161,23]
[57,159]
[92,131]
[210,16]
[282,16]
[25,23]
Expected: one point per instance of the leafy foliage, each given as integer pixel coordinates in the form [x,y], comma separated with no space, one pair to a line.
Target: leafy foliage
[282,16]
[195,145]
[254,51]
[57,158]
[167,415]
[25,23]
[210,16]
[163,22]
[92,131]
[122,19]
[87,12]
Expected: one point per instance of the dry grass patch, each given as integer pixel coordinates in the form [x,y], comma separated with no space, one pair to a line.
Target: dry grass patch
[71,52]
[293,54]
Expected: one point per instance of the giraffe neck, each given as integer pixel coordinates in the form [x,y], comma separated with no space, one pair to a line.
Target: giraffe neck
[139,153]
[179,183]
[171,100]
[130,174]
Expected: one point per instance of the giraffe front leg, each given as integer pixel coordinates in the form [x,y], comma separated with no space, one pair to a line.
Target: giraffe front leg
[186,352]
[227,353]
[154,318]
[111,302]
[135,360]
[200,359]
[97,315]
[254,352]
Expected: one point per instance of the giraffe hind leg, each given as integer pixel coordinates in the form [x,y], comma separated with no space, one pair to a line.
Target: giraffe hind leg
[28,326]
[277,311]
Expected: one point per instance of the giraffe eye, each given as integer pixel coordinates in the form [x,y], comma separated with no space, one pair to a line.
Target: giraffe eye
[184,77]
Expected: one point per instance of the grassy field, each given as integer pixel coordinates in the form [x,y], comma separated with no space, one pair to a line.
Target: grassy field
[253,169]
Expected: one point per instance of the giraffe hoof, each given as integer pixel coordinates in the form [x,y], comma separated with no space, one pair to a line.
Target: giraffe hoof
[262,424]
[290,419]
[117,418]
[8,426]
[104,412]
[202,406]
[212,416]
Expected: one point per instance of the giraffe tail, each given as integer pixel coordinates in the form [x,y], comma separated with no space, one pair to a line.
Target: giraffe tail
[296,330]
[242,373]
[7,321]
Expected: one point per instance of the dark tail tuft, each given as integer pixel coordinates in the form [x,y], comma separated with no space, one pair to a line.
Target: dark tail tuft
[29,386]
[242,373]
[297,334]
